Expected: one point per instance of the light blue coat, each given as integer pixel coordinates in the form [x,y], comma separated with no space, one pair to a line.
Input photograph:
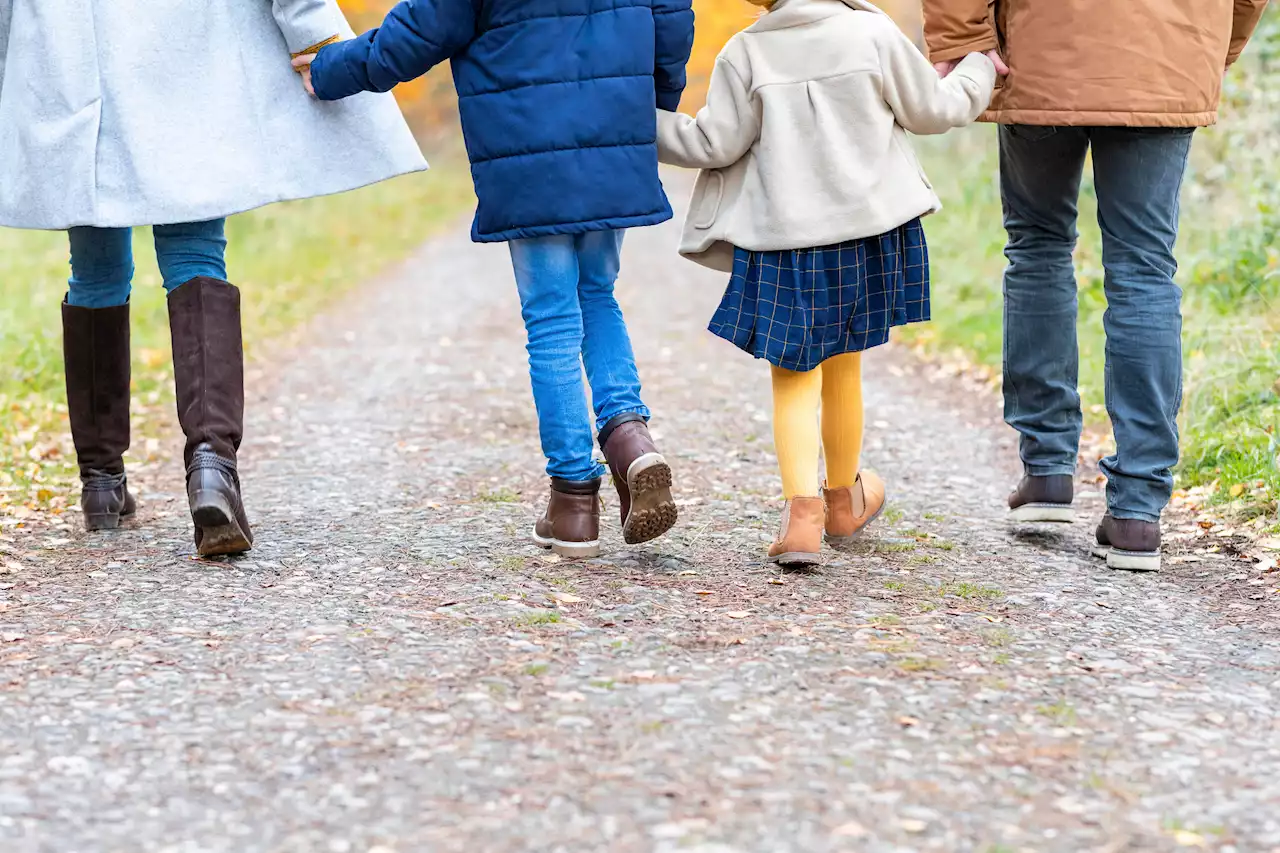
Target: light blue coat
[123,113]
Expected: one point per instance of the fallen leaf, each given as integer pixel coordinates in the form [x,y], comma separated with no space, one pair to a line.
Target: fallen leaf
[1237,490]
[566,598]
[704,592]
[777,581]
[852,829]
[908,722]
[1186,838]
[738,614]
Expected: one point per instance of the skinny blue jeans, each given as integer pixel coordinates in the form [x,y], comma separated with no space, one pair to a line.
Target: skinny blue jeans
[102,260]
[573,319]
[1138,176]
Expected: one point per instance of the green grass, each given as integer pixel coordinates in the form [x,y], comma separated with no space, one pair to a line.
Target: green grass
[290,260]
[1230,271]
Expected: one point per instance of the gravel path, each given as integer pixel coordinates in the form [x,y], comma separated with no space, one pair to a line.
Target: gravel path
[396,669]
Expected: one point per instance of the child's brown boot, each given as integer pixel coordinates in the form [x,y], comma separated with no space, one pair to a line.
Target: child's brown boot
[571,525]
[800,539]
[642,478]
[852,508]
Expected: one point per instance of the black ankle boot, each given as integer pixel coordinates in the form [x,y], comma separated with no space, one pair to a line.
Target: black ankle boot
[208,374]
[95,351]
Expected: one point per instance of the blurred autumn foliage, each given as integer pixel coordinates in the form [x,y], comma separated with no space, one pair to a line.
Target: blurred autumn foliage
[429,101]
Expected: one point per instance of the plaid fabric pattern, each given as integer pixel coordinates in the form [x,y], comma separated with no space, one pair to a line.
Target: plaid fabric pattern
[798,308]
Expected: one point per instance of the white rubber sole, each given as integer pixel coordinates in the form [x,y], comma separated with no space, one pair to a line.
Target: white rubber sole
[572,550]
[1128,561]
[1050,513]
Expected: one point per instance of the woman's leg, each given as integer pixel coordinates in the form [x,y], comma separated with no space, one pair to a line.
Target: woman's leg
[191,250]
[796,397]
[101,267]
[842,418]
[208,377]
[95,348]
[546,270]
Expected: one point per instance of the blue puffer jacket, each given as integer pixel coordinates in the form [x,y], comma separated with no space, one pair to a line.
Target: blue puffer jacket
[557,100]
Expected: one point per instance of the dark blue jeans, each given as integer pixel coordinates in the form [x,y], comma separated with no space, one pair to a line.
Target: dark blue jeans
[1138,177]
[102,260]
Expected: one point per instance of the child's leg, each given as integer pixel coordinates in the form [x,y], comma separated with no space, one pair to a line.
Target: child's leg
[546,271]
[795,429]
[606,346]
[842,418]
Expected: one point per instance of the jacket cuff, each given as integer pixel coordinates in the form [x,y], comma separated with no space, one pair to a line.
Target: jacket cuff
[315,48]
[336,70]
[960,51]
[669,102]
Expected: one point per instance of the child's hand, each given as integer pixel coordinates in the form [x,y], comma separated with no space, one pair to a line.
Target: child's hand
[945,68]
[302,65]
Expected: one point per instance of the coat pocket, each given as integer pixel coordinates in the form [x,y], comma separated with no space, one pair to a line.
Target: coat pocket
[709,202]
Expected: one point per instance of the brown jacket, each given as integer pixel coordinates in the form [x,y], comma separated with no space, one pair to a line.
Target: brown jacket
[1132,63]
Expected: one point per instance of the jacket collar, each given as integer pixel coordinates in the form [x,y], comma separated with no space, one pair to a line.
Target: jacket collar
[793,13]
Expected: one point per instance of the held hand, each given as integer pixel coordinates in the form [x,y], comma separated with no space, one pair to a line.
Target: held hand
[945,68]
[303,66]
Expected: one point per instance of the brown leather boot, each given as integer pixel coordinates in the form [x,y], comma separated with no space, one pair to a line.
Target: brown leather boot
[1040,499]
[851,508]
[95,351]
[571,525]
[642,478]
[799,541]
[208,375]
[1129,544]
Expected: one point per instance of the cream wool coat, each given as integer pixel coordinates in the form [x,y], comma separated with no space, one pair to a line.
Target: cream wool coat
[153,112]
[803,140]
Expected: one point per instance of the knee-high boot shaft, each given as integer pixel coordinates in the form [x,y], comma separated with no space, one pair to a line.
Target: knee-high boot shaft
[208,365]
[95,349]
[208,374]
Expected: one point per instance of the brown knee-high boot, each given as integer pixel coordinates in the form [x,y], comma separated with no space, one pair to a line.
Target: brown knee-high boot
[95,350]
[208,375]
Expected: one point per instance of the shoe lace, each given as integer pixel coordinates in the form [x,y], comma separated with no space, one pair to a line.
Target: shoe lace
[101,481]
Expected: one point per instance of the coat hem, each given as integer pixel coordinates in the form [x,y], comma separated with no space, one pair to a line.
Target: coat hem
[1099,118]
[145,219]
[573,228]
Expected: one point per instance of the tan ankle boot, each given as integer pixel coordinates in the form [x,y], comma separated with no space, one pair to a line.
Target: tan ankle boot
[799,541]
[851,509]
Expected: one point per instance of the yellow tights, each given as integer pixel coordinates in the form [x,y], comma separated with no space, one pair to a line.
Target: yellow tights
[836,386]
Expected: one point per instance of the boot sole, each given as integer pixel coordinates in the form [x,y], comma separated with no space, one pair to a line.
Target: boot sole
[220,533]
[569,550]
[797,558]
[1129,561]
[1042,512]
[838,541]
[653,509]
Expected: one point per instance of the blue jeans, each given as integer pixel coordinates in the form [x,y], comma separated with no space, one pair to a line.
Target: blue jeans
[102,260]
[1138,177]
[572,318]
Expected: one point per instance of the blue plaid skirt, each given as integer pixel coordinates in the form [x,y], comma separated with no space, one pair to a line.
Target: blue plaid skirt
[798,308]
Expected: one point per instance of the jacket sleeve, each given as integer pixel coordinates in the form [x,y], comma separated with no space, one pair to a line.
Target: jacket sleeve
[307,23]
[1247,15]
[957,28]
[724,130]
[924,104]
[673,26]
[416,36]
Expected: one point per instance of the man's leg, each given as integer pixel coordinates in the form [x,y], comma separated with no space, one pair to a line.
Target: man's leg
[1138,173]
[1040,170]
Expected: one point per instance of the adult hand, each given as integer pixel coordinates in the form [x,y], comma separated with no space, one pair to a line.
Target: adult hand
[302,65]
[945,68]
